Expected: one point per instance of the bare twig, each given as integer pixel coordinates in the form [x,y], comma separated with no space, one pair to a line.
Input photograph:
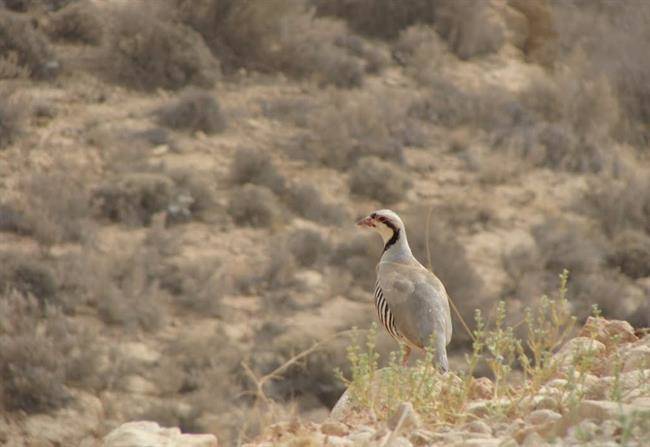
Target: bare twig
[276,373]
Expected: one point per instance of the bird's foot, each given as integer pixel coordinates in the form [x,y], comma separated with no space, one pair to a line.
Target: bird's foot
[405,358]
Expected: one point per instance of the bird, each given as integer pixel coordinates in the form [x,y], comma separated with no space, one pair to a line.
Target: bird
[412,303]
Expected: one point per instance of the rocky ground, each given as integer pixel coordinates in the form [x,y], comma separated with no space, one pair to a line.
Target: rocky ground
[608,405]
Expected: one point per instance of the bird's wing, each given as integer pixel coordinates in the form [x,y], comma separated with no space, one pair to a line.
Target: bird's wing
[418,301]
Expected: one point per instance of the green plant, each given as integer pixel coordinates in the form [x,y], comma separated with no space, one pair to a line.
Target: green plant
[548,326]
[443,398]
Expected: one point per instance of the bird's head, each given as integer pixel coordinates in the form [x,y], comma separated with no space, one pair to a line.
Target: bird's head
[385,222]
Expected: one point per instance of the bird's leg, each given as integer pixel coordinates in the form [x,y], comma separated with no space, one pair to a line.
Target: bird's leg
[407,353]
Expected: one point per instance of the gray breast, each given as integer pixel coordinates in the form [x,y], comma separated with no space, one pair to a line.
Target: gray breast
[384,313]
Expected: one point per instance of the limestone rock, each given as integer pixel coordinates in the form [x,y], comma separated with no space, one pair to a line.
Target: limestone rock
[479,426]
[342,407]
[334,428]
[482,388]
[636,358]
[148,434]
[405,418]
[542,417]
[576,348]
[608,332]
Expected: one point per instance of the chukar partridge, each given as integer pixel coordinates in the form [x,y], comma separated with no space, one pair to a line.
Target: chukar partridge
[412,303]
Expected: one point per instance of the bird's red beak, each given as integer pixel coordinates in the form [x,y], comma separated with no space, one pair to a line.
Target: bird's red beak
[366,222]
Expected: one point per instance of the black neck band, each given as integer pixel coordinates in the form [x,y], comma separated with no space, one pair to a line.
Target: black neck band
[393,238]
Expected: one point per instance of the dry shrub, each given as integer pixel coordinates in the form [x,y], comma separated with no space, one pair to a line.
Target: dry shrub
[470,28]
[252,165]
[348,127]
[293,110]
[421,50]
[620,204]
[379,18]
[14,221]
[563,244]
[254,35]
[379,180]
[315,50]
[195,198]
[195,110]
[308,246]
[77,22]
[56,206]
[132,296]
[196,286]
[29,5]
[145,52]
[307,201]
[613,37]
[26,45]
[39,355]
[631,253]
[254,205]
[575,122]
[28,277]
[13,115]
[446,104]
[134,198]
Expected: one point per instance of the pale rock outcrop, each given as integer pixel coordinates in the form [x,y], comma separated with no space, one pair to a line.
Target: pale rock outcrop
[149,434]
